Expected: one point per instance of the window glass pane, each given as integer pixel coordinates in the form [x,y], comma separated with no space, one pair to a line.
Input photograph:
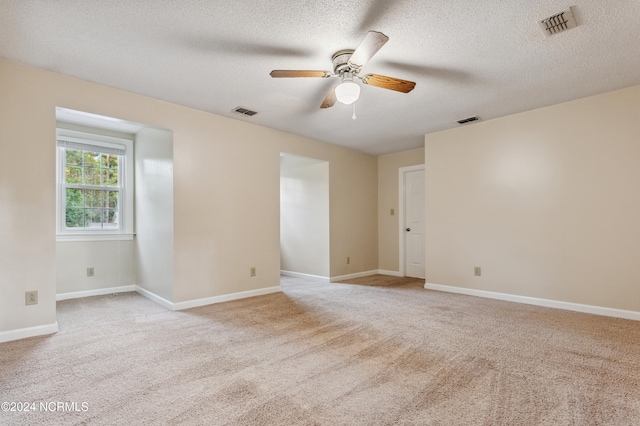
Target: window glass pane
[112,199]
[73,156]
[92,176]
[75,198]
[94,198]
[93,218]
[109,161]
[110,177]
[91,159]
[111,218]
[73,174]
[92,209]
[74,217]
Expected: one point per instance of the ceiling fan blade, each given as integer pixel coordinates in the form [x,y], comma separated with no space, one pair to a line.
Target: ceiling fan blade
[299,73]
[330,100]
[404,86]
[368,47]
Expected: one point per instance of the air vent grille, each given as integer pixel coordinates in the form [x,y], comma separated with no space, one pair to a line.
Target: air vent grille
[558,23]
[244,111]
[469,120]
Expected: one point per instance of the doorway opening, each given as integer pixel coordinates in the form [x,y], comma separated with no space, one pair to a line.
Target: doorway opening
[304,216]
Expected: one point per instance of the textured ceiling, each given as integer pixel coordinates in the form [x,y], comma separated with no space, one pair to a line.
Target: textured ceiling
[488,58]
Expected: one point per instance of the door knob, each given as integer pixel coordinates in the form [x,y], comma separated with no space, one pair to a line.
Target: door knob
[408,229]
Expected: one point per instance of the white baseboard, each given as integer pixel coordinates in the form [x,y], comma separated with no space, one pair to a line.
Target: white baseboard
[225,298]
[366,274]
[352,276]
[576,307]
[178,306]
[97,292]
[301,275]
[390,273]
[23,333]
[155,298]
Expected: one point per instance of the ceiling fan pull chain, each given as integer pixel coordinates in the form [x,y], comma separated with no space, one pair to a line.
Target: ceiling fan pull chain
[354,111]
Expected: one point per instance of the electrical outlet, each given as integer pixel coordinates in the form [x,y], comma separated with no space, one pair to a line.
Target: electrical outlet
[348,260]
[477,271]
[252,271]
[31,297]
[90,272]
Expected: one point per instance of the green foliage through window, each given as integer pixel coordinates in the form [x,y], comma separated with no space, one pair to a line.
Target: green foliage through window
[92,189]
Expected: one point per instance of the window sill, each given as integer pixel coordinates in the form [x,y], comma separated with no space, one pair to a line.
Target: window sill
[93,237]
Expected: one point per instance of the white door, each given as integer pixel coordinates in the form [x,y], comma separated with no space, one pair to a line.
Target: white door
[414,219]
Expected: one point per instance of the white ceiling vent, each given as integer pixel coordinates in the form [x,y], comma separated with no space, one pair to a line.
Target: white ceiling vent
[558,23]
[244,111]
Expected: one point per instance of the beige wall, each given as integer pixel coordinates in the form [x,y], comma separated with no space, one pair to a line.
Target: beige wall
[113,263]
[353,199]
[226,186]
[388,225]
[27,202]
[547,202]
[154,211]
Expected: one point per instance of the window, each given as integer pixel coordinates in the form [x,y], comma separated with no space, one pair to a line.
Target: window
[93,184]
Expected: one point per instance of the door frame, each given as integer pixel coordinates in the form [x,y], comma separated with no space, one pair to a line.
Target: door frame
[401,200]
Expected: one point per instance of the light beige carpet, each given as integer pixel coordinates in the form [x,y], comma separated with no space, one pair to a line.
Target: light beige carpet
[378,351]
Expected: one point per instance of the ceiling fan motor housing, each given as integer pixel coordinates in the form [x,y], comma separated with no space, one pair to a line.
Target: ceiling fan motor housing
[341,61]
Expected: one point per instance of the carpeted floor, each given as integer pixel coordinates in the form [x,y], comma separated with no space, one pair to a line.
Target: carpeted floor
[376,351]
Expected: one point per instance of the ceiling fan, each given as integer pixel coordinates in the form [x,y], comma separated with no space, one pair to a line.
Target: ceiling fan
[347,65]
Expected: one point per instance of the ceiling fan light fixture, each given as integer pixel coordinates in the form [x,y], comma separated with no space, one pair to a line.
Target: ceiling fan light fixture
[347,92]
[347,64]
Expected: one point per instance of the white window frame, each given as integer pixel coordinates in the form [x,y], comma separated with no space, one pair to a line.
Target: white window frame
[125,230]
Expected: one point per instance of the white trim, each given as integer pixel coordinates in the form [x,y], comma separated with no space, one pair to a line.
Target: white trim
[225,298]
[351,276]
[401,233]
[81,144]
[23,333]
[366,274]
[576,307]
[96,292]
[94,237]
[390,273]
[206,300]
[301,275]
[71,119]
[95,135]
[155,298]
